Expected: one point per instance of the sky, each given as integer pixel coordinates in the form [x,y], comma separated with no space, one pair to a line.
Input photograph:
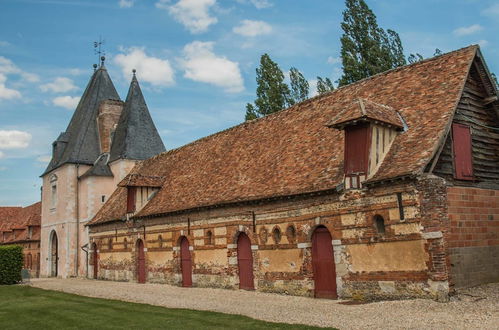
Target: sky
[195,60]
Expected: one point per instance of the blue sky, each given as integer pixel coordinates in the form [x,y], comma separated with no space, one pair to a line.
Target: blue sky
[195,60]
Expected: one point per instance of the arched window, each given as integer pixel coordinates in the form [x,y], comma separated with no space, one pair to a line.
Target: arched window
[209,237]
[160,241]
[291,234]
[276,235]
[110,244]
[125,243]
[53,191]
[379,223]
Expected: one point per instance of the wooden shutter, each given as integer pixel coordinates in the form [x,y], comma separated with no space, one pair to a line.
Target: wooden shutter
[130,201]
[463,161]
[356,149]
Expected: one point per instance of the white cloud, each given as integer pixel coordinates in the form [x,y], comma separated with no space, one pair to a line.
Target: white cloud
[201,64]
[492,10]
[333,60]
[7,93]
[4,43]
[483,43]
[154,70]
[30,77]
[249,28]
[126,3]
[467,30]
[13,139]
[76,71]
[2,155]
[67,102]
[259,4]
[193,14]
[59,85]
[44,159]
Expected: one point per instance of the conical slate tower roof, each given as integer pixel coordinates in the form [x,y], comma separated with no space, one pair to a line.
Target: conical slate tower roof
[136,136]
[80,143]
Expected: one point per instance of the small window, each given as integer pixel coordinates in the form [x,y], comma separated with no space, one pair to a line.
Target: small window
[110,244]
[160,241]
[276,235]
[379,222]
[53,191]
[30,232]
[103,198]
[291,234]
[209,237]
[125,243]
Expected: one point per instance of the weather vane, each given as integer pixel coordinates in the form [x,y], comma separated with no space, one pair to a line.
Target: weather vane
[98,49]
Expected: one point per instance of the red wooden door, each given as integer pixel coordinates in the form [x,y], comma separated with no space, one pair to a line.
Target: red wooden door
[323,264]
[95,260]
[185,263]
[245,262]
[463,163]
[141,262]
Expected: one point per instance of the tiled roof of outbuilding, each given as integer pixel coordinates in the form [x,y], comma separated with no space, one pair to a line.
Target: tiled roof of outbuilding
[293,151]
[19,219]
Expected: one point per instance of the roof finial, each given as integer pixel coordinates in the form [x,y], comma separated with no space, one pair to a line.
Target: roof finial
[98,49]
[95,67]
[133,71]
[102,59]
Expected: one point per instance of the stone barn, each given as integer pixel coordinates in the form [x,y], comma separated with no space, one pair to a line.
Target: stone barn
[385,188]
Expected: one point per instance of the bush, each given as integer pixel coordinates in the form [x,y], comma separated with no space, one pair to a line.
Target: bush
[11,263]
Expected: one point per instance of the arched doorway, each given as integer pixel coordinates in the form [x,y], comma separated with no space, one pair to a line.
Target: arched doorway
[323,264]
[245,262]
[54,254]
[95,260]
[141,262]
[185,262]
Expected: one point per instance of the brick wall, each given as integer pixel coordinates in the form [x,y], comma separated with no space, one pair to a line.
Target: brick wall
[473,235]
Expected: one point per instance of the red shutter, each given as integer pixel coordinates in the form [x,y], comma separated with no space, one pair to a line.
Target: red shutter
[463,162]
[356,149]
[130,201]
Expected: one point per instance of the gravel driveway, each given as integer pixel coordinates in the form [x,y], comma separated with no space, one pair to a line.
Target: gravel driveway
[476,308]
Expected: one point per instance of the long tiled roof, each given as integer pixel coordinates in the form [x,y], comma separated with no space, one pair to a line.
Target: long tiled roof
[293,151]
[19,220]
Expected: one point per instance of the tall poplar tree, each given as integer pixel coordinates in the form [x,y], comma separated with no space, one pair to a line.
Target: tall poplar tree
[324,85]
[272,93]
[299,86]
[366,49]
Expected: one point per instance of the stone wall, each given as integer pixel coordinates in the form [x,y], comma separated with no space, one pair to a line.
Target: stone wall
[402,261]
[474,235]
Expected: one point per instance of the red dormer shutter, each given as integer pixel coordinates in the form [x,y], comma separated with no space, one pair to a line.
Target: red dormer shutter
[463,161]
[356,149]
[130,200]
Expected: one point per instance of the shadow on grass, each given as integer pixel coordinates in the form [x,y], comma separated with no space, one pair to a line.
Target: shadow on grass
[23,307]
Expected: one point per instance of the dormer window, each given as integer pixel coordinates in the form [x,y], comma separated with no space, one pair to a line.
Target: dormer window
[356,153]
[140,189]
[130,200]
[370,129]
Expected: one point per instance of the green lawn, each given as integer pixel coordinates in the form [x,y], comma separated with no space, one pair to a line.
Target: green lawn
[23,307]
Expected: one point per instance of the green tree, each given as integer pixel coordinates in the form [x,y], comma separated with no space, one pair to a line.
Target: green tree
[299,86]
[366,49]
[272,93]
[413,58]
[437,52]
[324,85]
